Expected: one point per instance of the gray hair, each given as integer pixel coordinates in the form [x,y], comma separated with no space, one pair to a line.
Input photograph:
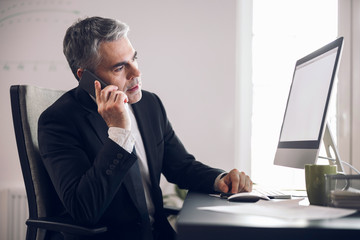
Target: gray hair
[83,38]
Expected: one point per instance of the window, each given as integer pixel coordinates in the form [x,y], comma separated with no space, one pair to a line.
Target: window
[283,31]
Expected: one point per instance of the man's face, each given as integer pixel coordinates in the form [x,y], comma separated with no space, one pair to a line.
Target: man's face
[119,67]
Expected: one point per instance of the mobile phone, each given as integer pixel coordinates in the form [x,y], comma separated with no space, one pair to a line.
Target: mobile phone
[87,82]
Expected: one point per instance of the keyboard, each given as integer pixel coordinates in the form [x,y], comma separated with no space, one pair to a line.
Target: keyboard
[272,194]
[278,194]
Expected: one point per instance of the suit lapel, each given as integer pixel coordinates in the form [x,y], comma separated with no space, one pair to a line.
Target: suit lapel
[98,125]
[96,121]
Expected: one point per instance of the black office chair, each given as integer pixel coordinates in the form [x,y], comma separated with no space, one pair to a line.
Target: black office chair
[27,103]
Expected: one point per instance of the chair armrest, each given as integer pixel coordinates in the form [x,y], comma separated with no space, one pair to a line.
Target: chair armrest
[64,226]
[171,210]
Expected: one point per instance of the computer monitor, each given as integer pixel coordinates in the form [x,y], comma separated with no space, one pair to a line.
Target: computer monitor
[305,114]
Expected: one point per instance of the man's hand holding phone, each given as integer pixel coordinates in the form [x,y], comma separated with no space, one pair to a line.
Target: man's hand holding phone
[112,106]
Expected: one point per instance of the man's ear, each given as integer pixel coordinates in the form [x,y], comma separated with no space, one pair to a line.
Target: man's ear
[80,72]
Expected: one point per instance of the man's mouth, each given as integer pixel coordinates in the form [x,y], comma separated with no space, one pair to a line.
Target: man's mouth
[133,88]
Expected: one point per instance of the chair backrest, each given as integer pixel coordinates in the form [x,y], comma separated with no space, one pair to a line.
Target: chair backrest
[27,103]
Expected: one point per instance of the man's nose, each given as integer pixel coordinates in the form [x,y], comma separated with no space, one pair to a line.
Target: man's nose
[133,71]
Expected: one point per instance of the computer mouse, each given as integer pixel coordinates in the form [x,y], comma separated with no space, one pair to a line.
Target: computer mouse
[247,197]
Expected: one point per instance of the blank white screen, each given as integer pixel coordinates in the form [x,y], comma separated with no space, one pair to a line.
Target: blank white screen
[307,99]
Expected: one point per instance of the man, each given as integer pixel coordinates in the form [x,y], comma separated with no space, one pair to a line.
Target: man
[105,155]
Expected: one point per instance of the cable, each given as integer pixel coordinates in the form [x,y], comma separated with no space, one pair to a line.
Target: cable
[347,164]
[353,168]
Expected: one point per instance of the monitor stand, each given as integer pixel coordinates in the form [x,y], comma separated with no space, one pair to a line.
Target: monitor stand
[331,148]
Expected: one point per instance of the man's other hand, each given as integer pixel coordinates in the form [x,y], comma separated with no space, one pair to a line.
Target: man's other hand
[235,182]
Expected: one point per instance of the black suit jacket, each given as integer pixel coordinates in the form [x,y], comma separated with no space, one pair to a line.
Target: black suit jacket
[91,173]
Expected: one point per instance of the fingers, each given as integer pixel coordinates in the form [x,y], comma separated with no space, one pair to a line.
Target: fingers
[223,187]
[116,96]
[97,89]
[112,107]
[236,181]
[106,94]
[245,183]
[109,93]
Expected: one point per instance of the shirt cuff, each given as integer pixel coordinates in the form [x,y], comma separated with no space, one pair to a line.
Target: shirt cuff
[220,176]
[122,137]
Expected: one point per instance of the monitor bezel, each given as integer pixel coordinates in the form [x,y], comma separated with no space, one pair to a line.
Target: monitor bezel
[314,144]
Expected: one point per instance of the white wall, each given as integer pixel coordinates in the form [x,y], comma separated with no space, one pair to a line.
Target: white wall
[348,115]
[186,55]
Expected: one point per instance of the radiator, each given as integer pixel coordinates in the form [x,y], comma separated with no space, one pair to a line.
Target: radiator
[13,214]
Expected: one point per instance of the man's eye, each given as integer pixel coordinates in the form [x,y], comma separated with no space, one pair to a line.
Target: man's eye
[118,69]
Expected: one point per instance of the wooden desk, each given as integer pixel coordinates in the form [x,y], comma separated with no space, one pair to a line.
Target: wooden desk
[198,224]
